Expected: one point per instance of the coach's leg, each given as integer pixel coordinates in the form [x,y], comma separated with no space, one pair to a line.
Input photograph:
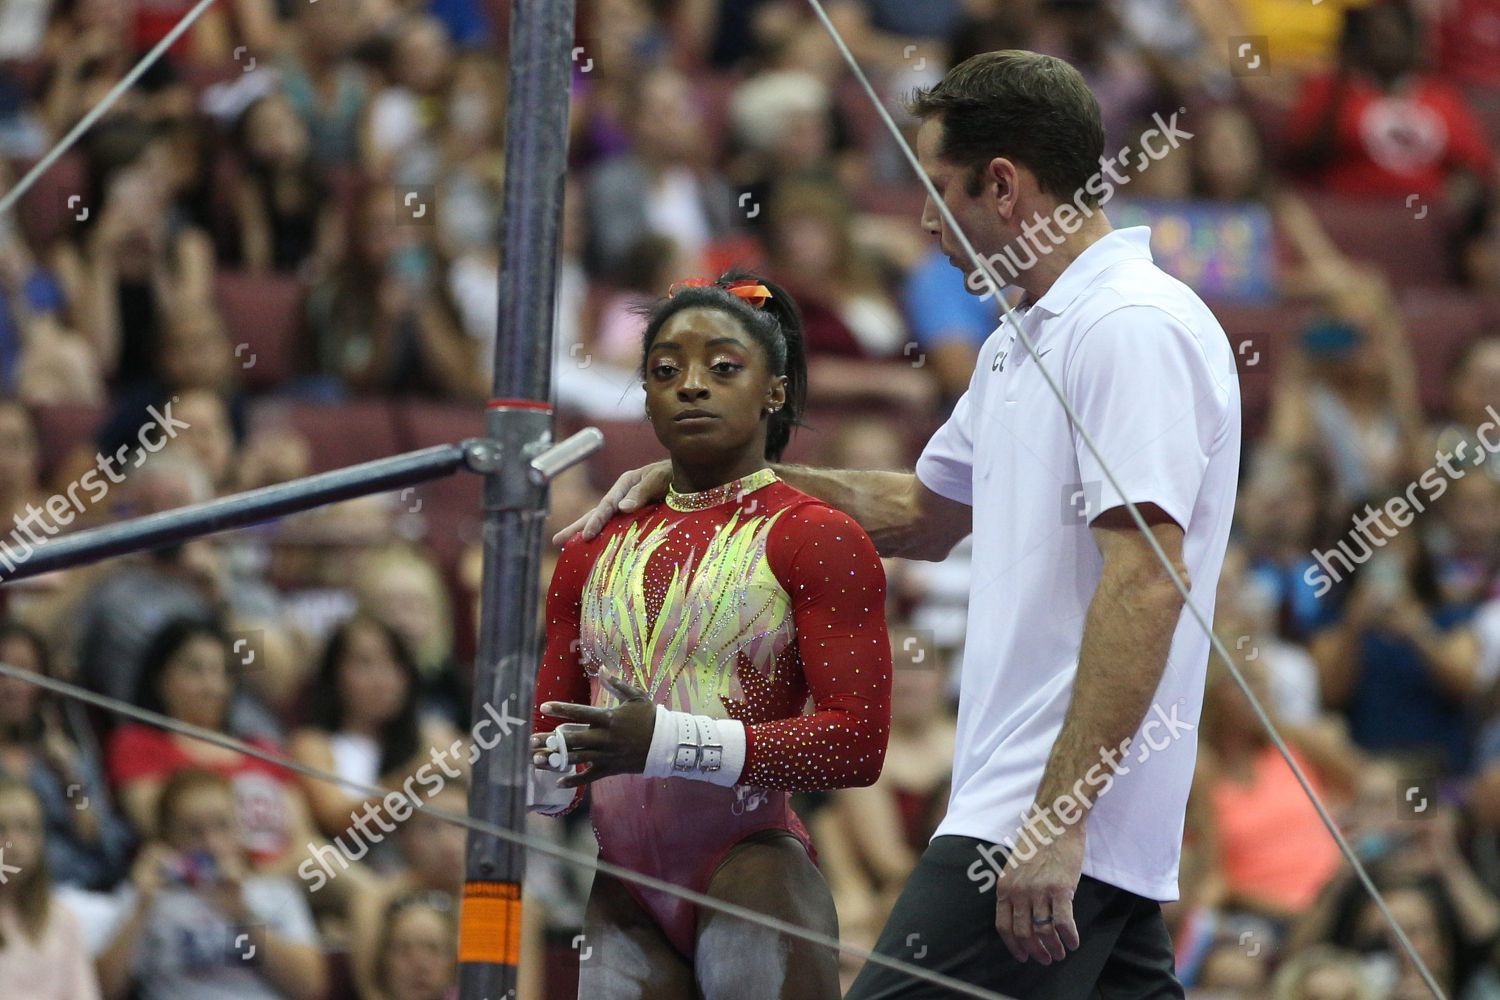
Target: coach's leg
[1142,965]
[944,922]
[769,873]
[624,955]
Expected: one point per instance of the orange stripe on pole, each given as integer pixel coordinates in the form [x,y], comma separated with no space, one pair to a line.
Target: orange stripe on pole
[489,926]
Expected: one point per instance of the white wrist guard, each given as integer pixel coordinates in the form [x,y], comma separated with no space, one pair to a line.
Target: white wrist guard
[696,746]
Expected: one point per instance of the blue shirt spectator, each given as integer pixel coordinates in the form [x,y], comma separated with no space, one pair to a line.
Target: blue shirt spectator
[941,309]
[1396,706]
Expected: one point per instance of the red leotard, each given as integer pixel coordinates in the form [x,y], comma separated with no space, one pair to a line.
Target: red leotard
[738,610]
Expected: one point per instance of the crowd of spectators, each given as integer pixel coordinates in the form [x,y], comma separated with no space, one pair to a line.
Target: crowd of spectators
[280,248]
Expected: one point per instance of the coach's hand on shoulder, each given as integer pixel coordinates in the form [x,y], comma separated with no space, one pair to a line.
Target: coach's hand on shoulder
[617,740]
[1034,897]
[631,491]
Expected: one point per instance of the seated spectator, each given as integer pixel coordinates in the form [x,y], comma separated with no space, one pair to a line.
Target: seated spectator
[470,147]
[1451,919]
[363,721]
[1271,847]
[1466,540]
[197,922]
[1246,609]
[619,41]
[286,218]
[1084,32]
[138,254]
[1323,973]
[1232,970]
[403,586]
[849,319]
[1471,390]
[1400,664]
[40,354]
[87,843]
[327,90]
[1283,514]
[432,852]
[90,47]
[195,379]
[383,321]
[209,435]
[42,951]
[787,130]
[1229,160]
[124,607]
[663,184]
[403,117]
[20,471]
[1381,126]
[1347,390]
[186,677]
[845,309]
[417,950]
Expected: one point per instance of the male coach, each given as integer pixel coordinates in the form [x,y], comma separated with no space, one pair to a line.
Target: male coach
[1082,680]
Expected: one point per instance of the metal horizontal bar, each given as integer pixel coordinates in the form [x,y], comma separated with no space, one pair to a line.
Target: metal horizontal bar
[234,511]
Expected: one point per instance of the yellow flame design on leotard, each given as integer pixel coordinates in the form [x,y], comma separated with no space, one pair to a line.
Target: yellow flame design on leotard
[686,659]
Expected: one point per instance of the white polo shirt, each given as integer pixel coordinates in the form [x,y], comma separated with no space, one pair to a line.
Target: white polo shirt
[1151,375]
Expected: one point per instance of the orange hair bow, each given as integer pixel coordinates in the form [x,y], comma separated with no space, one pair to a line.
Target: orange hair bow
[748,289]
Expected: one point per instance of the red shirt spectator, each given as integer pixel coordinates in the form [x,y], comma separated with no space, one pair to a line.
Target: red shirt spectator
[1398,143]
[144,753]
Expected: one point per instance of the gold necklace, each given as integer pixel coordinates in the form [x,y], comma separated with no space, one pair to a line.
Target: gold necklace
[732,490]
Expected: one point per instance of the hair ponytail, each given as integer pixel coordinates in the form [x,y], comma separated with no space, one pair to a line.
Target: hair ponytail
[794,366]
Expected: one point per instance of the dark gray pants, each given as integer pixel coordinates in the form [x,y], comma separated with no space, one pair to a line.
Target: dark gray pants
[944,923]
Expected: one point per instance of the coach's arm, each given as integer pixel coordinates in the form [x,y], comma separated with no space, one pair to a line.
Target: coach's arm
[1127,634]
[902,516]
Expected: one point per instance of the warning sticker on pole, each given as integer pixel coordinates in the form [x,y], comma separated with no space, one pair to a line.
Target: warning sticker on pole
[489,928]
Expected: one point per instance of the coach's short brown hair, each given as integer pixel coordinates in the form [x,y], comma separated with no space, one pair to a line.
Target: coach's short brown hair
[1027,107]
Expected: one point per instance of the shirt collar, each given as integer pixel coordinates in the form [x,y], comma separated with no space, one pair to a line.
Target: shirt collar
[1120,244]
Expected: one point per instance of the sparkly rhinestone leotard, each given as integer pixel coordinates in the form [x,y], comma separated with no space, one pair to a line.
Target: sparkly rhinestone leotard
[739,602]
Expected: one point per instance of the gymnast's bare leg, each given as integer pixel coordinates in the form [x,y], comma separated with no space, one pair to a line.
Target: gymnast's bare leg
[624,955]
[737,960]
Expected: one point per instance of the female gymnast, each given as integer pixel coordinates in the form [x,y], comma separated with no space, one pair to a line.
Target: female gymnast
[683,643]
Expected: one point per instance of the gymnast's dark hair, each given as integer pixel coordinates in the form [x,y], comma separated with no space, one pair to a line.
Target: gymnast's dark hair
[776,327]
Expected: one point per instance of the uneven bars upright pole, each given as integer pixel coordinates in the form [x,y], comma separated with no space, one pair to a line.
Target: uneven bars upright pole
[519,418]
